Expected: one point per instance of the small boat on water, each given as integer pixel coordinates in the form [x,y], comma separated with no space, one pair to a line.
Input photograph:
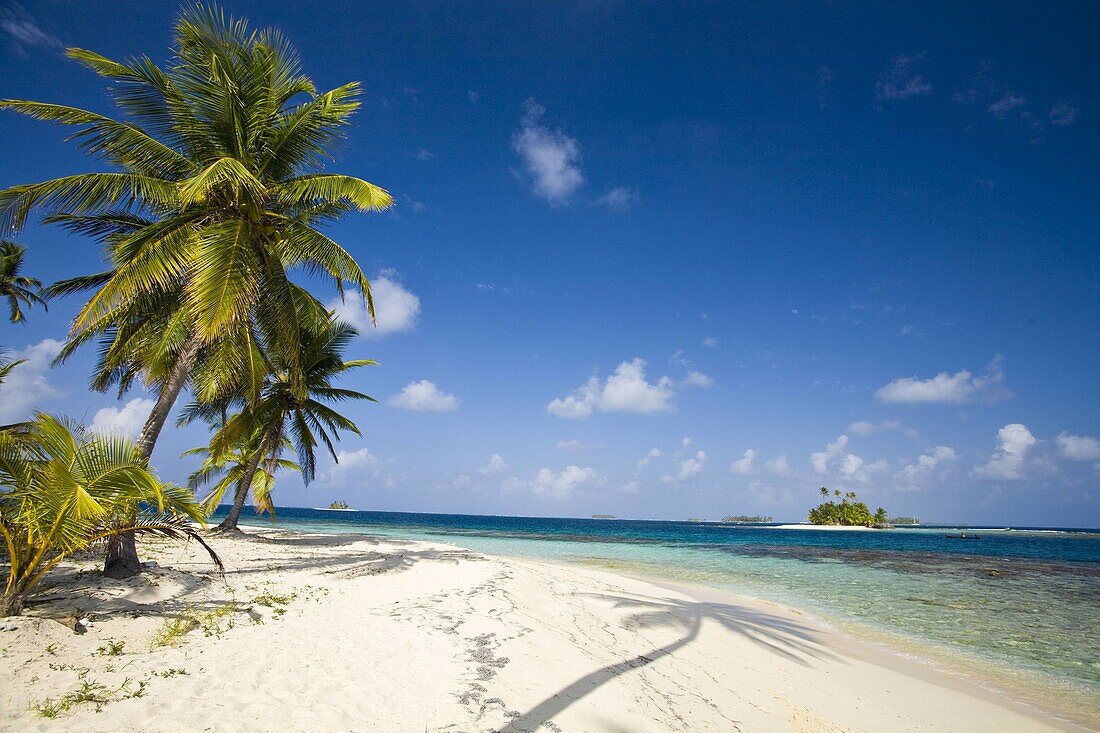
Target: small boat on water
[963,536]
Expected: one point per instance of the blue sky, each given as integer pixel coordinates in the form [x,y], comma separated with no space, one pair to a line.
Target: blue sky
[671,260]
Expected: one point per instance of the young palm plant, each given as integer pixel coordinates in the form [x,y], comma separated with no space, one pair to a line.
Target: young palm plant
[227,471]
[215,196]
[17,289]
[62,489]
[289,409]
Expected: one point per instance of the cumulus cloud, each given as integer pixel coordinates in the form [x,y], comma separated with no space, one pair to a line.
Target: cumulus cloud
[653,453]
[26,386]
[746,464]
[351,467]
[689,470]
[778,466]
[697,379]
[395,308]
[944,388]
[1006,103]
[493,467]
[564,484]
[854,468]
[865,427]
[710,342]
[424,396]
[550,157]
[1079,447]
[626,390]
[1008,458]
[821,459]
[23,30]
[619,198]
[575,446]
[1063,114]
[126,420]
[629,488]
[901,81]
[926,468]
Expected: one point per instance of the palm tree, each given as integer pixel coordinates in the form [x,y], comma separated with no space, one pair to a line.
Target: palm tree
[16,288]
[289,409]
[63,488]
[227,471]
[216,197]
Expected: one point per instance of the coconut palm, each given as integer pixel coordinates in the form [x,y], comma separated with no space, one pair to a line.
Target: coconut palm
[227,471]
[215,197]
[289,409]
[17,289]
[63,488]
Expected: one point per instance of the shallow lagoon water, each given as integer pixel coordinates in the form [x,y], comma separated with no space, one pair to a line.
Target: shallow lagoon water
[1016,607]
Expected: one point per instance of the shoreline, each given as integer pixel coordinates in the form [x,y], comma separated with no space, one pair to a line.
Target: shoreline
[477,641]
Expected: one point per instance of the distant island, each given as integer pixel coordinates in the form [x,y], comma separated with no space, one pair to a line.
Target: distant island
[848,512]
[341,504]
[604,516]
[744,519]
[904,520]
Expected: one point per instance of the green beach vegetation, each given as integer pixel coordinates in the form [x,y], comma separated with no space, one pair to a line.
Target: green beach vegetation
[65,488]
[214,195]
[847,512]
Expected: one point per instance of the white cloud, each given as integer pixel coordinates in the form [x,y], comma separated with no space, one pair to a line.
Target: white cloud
[629,488]
[1007,102]
[562,485]
[395,308]
[424,154]
[1063,114]
[351,468]
[1079,447]
[689,470]
[575,446]
[686,442]
[710,342]
[746,464]
[1007,460]
[619,198]
[626,390]
[854,468]
[462,481]
[424,396]
[865,427]
[493,467]
[653,453]
[944,388]
[550,157]
[901,81]
[126,420]
[26,386]
[821,459]
[778,466]
[23,30]
[926,468]
[697,379]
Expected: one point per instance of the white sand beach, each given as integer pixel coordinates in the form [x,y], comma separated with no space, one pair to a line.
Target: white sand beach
[325,633]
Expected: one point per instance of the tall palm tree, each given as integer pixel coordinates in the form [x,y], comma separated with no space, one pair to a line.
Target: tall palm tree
[63,488]
[290,409]
[17,289]
[215,197]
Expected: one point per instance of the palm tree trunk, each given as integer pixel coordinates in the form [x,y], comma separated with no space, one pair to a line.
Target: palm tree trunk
[230,522]
[11,605]
[122,560]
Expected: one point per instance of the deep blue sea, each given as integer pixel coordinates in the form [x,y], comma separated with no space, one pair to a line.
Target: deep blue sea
[1019,607]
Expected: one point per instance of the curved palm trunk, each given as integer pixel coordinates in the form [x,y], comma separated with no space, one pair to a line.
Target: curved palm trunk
[231,519]
[122,560]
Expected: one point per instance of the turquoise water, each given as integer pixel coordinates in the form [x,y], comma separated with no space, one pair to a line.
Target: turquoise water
[1016,606]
